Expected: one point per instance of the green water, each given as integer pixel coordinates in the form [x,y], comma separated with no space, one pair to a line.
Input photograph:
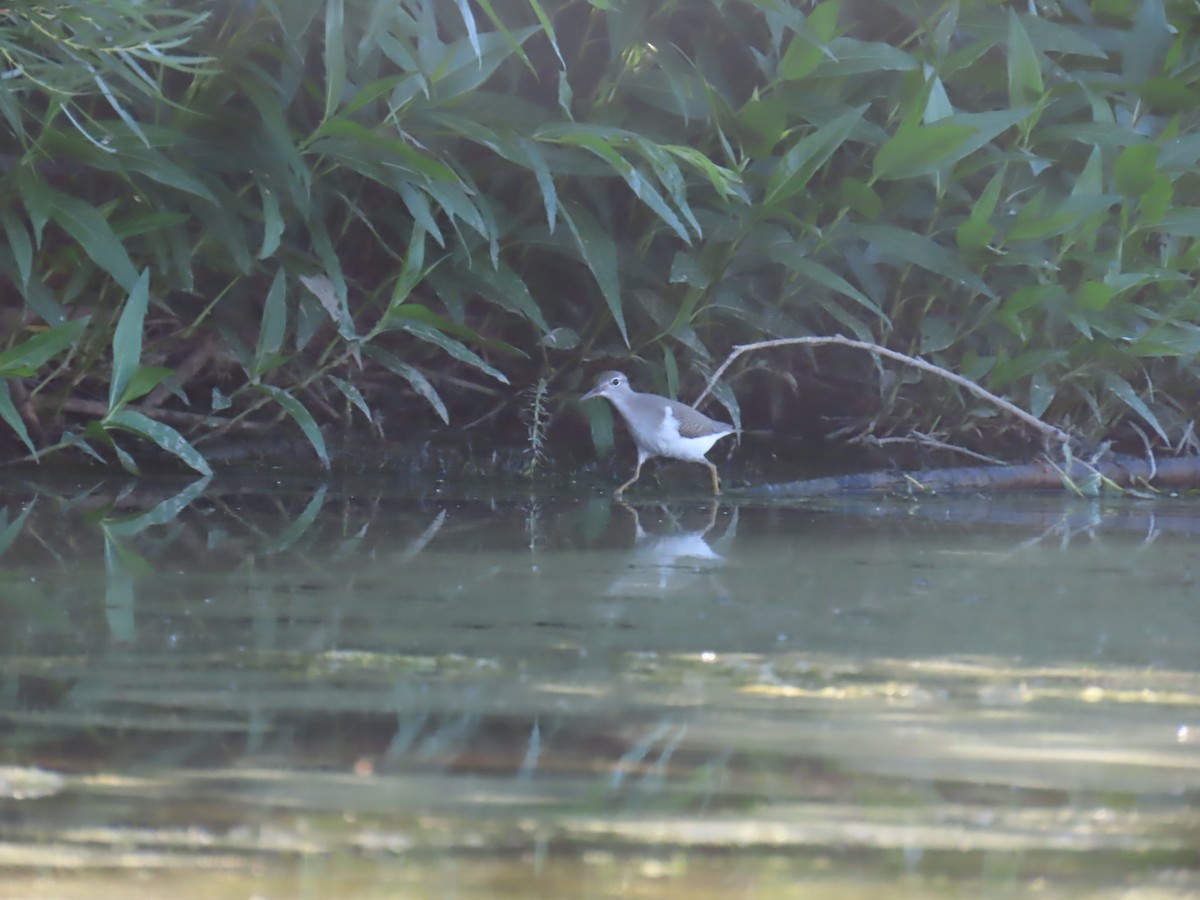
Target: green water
[285,689]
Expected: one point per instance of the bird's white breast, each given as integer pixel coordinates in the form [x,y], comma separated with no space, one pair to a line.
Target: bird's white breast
[665,440]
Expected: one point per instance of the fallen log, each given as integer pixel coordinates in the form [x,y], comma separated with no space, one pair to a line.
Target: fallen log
[1125,471]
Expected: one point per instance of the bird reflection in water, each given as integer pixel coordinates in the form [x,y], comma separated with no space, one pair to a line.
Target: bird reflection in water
[676,559]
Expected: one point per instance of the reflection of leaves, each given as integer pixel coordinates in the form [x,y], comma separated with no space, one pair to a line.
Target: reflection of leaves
[118,588]
[422,540]
[11,530]
[292,533]
[161,514]
[596,515]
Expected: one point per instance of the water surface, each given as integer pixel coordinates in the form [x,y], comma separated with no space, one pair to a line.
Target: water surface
[288,689]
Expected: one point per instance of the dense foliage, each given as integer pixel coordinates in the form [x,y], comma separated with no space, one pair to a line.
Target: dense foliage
[219,213]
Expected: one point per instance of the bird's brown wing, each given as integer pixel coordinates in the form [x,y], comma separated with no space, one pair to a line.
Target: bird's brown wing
[696,424]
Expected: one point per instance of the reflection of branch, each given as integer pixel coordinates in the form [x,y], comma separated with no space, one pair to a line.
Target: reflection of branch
[1045,428]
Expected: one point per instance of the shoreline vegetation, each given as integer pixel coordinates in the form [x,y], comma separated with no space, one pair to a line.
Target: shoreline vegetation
[952,230]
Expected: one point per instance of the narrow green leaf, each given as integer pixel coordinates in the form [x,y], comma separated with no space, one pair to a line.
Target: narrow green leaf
[1051,37]
[455,348]
[936,334]
[823,20]
[353,394]
[725,182]
[548,30]
[1135,169]
[412,375]
[985,206]
[335,54]
[302,417]
[909,247]
[515,46]
[77,441]
[418,206]
[1155,201]
[412,272]
[918,149]
[13,113]
[938,106]
[38,198]
[1042,389]
[808,154]
[8,412]
[974,234]
[274,325]
[322,288]
[671,370]
[545,181]
[1091,180]
[728,399]
[462,70]
[1035,221]
[154,165]
[151,223]
[505,286]
[18,242]
[1094,296]
[1128,395]
[687,268]
[355,140]
[276,134]
[464,8]
[272,222]
[811,270]
[127,340]
[566,97]
[222,228]
[44,302]
[164,436]
[600,422]
[599,251]
[1179,222]
[373,91]
[143,381]
[603,141]
[1024,65]
[29,356]
[799,60]
[1145,47]
[860,197]
[854,57]
[90,229]
[456,201]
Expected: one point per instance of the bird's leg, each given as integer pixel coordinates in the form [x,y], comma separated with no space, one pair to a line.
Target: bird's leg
[715,479]
[636,472]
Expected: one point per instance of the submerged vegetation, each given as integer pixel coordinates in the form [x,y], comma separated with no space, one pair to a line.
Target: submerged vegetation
[370,212]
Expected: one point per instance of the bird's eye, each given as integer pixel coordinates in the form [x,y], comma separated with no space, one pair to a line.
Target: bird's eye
[615,382]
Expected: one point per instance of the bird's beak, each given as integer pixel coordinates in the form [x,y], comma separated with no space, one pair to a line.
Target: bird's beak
[597,391]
